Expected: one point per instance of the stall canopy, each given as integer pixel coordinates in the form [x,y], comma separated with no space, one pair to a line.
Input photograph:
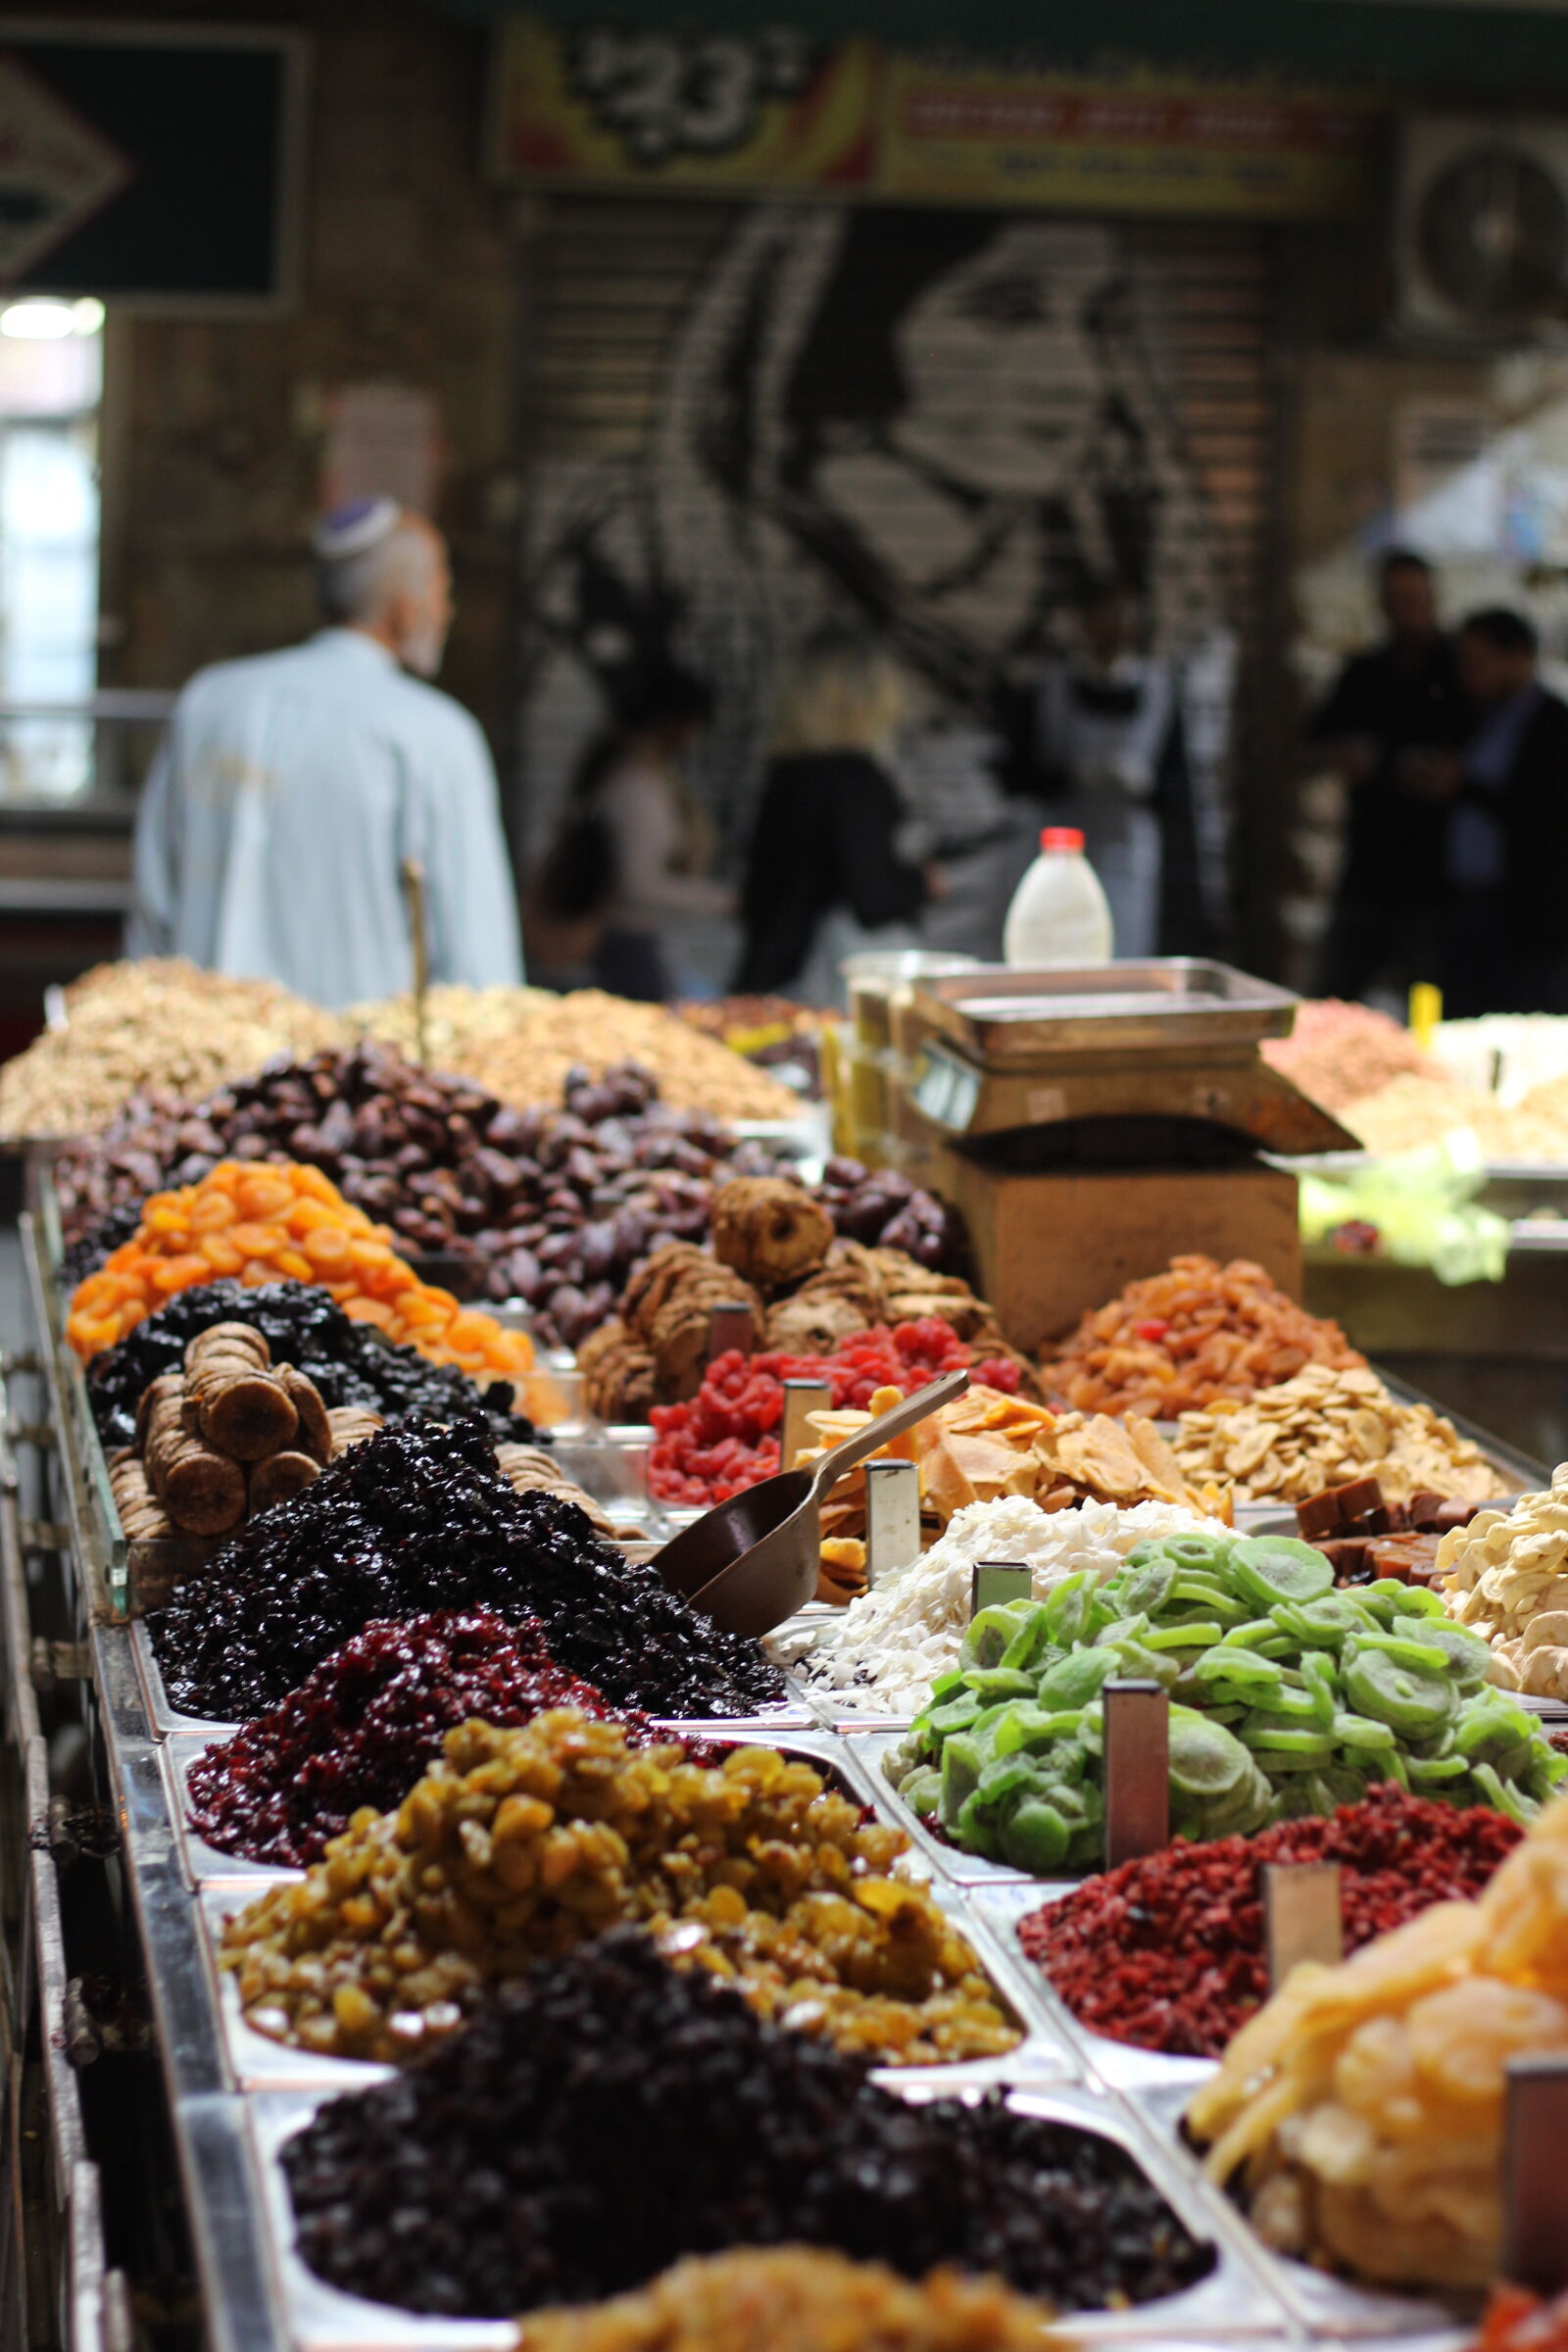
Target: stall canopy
[1523,51]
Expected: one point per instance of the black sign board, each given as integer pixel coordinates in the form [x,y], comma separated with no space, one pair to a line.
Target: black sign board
[149,167]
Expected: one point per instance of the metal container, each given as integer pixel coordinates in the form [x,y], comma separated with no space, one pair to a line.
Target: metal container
[1231,2304]
[998,1014]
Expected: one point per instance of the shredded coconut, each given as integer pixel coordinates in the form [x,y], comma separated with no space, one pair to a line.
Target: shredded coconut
[892,1642]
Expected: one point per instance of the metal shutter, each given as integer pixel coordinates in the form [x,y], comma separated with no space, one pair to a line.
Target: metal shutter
[615,288]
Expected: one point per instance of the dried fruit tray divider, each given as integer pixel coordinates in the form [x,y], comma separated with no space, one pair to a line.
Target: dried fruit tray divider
[321,2318]
[870,1748]
[201,1864]
[164,1716]
[254,2061]
[1231,2305]
[1321,2306]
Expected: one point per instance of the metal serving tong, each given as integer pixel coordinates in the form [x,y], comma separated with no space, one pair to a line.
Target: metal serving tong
[753,1561]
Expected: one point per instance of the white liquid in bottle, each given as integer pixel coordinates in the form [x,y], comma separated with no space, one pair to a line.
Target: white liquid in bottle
[1059,912]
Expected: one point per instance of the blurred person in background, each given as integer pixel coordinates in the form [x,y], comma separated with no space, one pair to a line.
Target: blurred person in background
[1506,838]
[291,786]
[1105,716]
[630,864]
[1391,719]
[825,876]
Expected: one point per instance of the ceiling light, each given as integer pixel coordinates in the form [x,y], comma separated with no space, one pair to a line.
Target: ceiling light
[40,320]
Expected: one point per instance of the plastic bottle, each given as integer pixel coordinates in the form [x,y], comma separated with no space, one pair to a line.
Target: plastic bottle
[1059,912]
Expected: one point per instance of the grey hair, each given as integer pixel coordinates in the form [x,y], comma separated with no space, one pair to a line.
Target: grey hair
[359,588]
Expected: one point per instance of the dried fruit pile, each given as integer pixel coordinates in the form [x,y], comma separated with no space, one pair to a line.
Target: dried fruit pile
[1288,1699]
[1507,1581]
[524,1843]
[799,2299]
[548,2112]
[159,1022]
[1365,2106]
[554,1205]
[256,1224]
[1287,1443]
[1178,1339]
[726,1437]
[1339,1053]
[1170,1952]
[367,1722]
[421,1518]
[349,1363]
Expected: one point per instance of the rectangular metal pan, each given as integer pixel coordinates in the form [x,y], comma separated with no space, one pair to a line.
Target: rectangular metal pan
[203,1865]
[998,1014]
[254,2061]
[1230,2305]
[870,1750]
[1324,2306]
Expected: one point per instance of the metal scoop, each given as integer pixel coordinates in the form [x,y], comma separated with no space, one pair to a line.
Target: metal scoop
[753,1561]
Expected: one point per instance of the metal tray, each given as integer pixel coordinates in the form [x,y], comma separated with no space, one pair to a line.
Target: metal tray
[1317,2301]
[203,1865]
[1232,2303]
[253,2061]
[998,1016]
[870,1750]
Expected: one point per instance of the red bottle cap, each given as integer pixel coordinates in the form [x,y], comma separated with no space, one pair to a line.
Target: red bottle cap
[1062,837]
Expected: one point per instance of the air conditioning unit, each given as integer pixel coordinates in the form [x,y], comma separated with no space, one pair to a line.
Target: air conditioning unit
[1481,228]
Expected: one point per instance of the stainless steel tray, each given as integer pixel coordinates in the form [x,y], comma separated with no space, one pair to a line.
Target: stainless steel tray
[203,1865]
[996,1015]
[1232,2304]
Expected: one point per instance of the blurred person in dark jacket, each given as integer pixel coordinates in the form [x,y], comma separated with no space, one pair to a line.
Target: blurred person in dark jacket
[1392,715]
[1506,840]
[825,876]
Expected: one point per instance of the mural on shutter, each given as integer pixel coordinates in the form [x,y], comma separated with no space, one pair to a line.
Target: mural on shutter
[944,425]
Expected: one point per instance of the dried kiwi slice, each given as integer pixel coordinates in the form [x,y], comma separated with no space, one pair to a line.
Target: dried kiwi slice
[1271,1568]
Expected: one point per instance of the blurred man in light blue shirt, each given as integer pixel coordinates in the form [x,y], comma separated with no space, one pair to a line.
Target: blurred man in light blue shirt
[292,786]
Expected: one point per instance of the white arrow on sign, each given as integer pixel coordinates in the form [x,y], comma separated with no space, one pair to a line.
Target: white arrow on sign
[56,169]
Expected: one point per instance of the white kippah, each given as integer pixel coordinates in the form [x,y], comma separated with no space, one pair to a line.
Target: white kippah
[353,529]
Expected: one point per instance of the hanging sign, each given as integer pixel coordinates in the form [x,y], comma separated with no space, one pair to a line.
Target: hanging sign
[770,110]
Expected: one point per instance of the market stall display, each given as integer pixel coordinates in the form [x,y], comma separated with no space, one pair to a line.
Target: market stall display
[1339,1053]
[1175,1342]
[892,1642]
[1325,1425]
[257,1224]
[348,1363]
[725,1437]
[421,1518]
[1170,1952]
[555,1204]
[1360,2113]
[801,2299]
[528,1062]
[989,1444]
[1287,1697]
[458,1020]
[530,1839]
[160,1024]
[809,1291]
[521,1844]
[553,2102]
[368,1721]
[1505,1577]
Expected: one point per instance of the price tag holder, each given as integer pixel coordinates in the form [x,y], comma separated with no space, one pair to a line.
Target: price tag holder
[729,1326]
[1535,2178]
[1302,1916]
[995,1583]
[892,1518]
[1137,1736]
[801,1398]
